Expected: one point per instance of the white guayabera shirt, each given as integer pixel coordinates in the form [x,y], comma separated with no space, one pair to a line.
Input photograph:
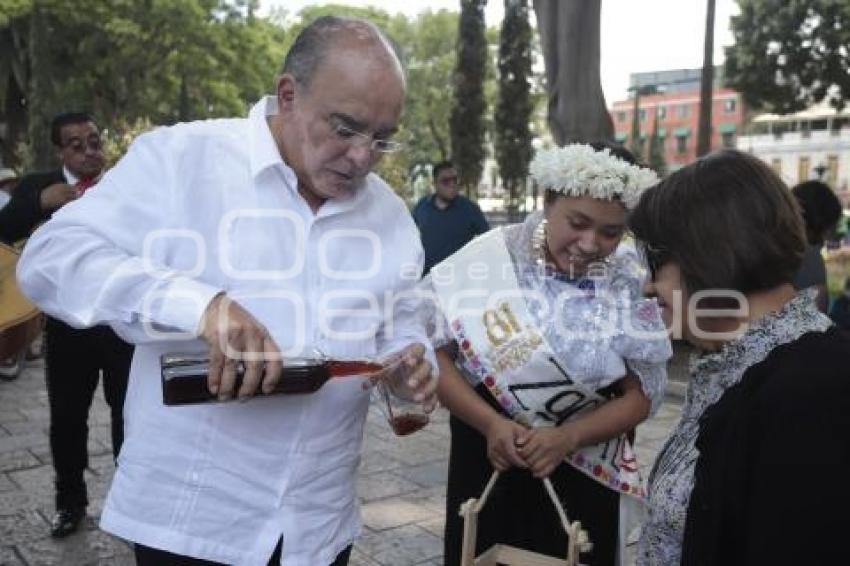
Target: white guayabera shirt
[205,207]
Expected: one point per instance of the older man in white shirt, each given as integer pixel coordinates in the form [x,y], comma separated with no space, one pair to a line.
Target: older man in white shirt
[267,234]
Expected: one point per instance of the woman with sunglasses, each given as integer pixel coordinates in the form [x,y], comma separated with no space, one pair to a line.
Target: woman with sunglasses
[753,473]
[557,357]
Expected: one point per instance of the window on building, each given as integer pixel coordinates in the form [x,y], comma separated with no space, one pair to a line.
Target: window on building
[818,125]
[832,170]
[778,128]
[683,110]
[803,168]
[729,105]
[776,163]
[805,129]
[662,112]
[728,140]
[681,144]
[621,116]
[642,114]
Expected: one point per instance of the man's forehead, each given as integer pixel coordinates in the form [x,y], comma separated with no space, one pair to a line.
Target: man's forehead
[78,130]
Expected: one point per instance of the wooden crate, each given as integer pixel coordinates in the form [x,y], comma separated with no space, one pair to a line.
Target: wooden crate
[505,555]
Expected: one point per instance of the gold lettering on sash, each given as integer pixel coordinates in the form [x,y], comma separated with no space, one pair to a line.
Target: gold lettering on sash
[501,324]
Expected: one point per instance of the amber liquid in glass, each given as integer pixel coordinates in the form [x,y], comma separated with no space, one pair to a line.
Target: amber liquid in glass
[403,425]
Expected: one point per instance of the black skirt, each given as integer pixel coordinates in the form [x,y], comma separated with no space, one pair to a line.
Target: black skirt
[519,512]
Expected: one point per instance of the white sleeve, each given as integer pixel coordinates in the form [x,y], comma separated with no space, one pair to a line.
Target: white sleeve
[85,266]
[404,322]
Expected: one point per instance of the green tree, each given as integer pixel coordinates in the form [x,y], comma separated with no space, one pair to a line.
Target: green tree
[790,55]
[514,107]
[656,160]
[466,122]
[126,60]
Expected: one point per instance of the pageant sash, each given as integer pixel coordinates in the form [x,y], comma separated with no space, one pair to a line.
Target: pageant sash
[489,318]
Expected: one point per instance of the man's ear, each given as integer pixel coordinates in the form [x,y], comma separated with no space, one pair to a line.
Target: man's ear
[286,86]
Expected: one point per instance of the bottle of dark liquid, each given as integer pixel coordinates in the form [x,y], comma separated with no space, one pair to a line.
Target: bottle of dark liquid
[184,376]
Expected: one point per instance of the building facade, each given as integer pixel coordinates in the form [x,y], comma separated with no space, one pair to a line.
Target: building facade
[674,111]
[812,144]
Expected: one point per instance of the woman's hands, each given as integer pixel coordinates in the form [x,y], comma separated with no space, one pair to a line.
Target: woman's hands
[502,435]
[542,449]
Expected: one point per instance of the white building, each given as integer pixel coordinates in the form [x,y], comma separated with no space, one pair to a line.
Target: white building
[811,144]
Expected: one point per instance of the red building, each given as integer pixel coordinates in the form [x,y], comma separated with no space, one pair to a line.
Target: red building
[676,109]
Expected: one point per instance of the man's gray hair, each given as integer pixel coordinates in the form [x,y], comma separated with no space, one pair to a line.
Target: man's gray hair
[313,43]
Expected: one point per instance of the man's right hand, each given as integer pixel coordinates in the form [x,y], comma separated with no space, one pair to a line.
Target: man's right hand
[235,336]
[57,195]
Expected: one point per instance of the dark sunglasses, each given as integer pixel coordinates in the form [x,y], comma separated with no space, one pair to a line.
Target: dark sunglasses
[654,257]
[80,146]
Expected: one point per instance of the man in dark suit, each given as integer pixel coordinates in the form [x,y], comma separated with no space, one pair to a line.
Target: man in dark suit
[74,357]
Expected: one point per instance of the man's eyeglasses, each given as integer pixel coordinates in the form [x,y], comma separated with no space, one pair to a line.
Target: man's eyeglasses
[79,146]
[348,134]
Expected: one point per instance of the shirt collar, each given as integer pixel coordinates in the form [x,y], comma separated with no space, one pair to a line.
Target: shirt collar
[797,317]
[451,203]
[266,155]
[264,151]
[70,178]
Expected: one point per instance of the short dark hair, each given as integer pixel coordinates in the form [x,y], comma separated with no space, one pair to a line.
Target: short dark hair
[66,119]
[313,43]
[441,166]
[821,209]
[727,220]
[614,149]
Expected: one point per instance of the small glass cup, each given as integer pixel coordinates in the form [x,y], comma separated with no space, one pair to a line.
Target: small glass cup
[404,416]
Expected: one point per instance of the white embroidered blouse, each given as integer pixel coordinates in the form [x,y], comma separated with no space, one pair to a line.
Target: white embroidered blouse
[599,325]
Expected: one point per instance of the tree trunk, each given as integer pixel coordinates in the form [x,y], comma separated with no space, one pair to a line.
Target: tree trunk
[569,35]
[707,86]
[40,90]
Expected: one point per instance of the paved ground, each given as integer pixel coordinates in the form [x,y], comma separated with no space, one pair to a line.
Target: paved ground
[401,485]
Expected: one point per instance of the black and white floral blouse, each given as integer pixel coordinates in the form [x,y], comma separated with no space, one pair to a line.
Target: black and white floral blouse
[672,477]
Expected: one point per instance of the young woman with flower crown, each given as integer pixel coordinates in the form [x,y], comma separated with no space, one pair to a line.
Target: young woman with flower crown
[548,357]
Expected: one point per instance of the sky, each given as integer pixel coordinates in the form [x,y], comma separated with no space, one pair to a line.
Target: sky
[637,35]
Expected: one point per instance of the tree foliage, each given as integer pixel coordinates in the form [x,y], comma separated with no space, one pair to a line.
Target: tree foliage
[135,63]
[514,106]
[789,55]
[656,160]
[467,125]
[128,60]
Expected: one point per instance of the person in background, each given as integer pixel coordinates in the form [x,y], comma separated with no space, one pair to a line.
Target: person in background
[75,357]
[446,219]
[252,239]
[746,476]
[76,137]
[8,181]
[821,211]
[840,310]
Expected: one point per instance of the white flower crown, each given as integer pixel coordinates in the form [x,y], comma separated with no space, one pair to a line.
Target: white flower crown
[579,170]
